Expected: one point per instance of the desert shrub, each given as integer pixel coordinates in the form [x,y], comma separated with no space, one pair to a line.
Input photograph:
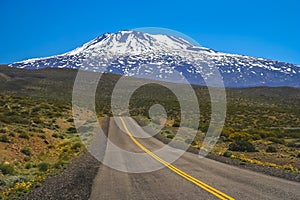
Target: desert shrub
[44,166]
[27,158]
[167,133]
[70,120]
[72,130]
[35,109]
[271,149]
[45,106]
[176,123]
[240,136]
[170,136]
[42,136]
[19,119]
[60,163]
[4,138]
[76,146]
[263,134]
[55,135]
[227,154]
[57,114]
[56,126]
[26,151]
[226,131]
[37,120]
[203,127]
[24,136]
[19,130]
[242,145]
[12,134]
[3,130]
[28,166]
[256,137]
[7,169]
[2,183]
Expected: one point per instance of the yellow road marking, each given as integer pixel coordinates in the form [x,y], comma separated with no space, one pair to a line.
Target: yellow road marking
[201,184]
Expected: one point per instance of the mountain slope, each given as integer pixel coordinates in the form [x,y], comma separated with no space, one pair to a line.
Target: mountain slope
[133,53]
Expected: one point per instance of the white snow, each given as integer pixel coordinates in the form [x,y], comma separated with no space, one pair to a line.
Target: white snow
[163,51]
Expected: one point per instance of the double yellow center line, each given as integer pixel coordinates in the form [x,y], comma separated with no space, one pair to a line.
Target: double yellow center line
[202,185]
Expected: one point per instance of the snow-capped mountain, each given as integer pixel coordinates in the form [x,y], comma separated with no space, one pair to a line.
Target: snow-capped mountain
[133,53]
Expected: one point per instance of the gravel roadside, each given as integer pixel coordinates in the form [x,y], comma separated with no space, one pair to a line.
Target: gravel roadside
[73,183]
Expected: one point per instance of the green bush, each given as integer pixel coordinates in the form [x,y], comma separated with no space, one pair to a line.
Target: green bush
[12,134]
[26,151]
[2,183]
[72,130]
[42,136]
[256,137]
[237,136]
[176,123]
[27,158]
[4,138]
[55,135]
[24,136]
[227,154]
[70,120]
[2,130]
[60,164]
[242,145]
[43,166]
[7,169]
[170,136]
[298,156]
[271,149]
[76,146]
[28,166]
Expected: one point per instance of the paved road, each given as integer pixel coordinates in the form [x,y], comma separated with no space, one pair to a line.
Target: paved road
[184,179]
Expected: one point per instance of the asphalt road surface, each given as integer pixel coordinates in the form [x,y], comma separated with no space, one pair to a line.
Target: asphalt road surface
[189,177]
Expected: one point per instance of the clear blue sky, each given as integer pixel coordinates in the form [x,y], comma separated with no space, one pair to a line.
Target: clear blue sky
[269,29]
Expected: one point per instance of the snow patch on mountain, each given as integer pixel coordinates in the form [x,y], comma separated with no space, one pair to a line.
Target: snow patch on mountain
[125,52]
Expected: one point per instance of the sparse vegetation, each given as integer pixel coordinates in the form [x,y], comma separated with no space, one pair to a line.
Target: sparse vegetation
[43,167]
[257,119]
[35,161]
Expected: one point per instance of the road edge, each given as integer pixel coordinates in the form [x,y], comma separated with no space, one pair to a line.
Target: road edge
[234,162]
